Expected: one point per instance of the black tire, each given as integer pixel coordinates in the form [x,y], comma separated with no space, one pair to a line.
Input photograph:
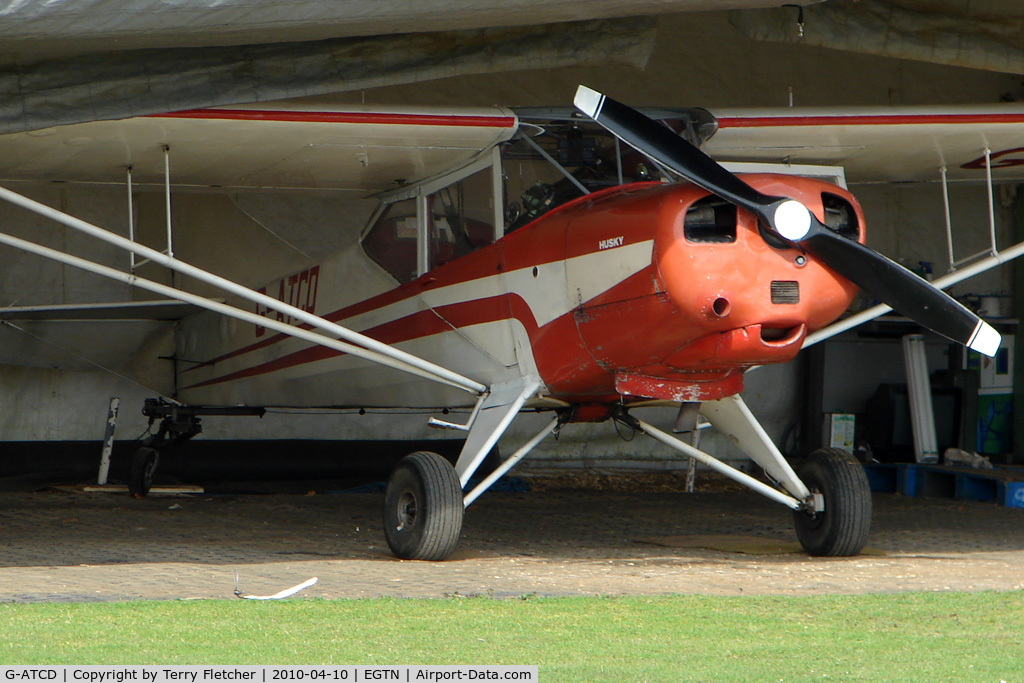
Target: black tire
[841,529]
[423,508]
[140,478]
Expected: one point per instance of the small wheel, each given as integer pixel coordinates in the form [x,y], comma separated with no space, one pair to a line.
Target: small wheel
[140,479]
[423,508]
[841,529]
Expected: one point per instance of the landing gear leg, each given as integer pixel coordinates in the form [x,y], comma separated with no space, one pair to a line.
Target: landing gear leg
[424,503]
[178,424]
[140,478]
[830,496]
[423,508]
[841,527]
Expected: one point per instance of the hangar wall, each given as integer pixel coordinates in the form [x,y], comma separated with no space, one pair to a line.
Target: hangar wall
[700,59]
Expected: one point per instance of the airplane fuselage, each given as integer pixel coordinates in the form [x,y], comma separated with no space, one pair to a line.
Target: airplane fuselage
[618,295]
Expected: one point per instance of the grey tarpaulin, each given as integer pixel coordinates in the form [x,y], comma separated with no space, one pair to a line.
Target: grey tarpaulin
[121,84]
[956,34]
[82,26]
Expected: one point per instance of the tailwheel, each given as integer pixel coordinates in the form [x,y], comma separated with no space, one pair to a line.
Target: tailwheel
[423,508]
[841,528]
[140,478]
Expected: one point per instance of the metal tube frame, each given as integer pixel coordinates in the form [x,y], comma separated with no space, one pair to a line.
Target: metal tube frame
[949,223]
[551,160]
[993,249]
[215,306]
[618,161]
[511,462]
[131,218]
[506,399]
[167,199]
[991,201]
[360,345]
[719,466]
[447,424]
[423,227]
[498,193]
[731,417]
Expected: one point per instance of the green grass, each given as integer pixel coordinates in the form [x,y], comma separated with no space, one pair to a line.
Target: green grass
[900,637]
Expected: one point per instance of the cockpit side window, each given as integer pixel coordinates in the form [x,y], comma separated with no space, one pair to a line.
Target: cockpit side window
[391,242]
[461,218]
[458,219]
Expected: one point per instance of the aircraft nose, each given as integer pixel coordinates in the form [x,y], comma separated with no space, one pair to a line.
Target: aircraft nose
[734,280]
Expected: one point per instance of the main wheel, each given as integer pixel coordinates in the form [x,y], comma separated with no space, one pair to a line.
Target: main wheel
[423,508]
[140,478]
[841,529]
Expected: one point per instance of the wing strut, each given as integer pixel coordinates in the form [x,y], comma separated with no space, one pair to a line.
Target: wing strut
[358,344]
[947,280]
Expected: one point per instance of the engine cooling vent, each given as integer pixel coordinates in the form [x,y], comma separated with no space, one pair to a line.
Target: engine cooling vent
[785,292]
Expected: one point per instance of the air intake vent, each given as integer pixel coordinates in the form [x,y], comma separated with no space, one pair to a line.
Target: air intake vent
[840,216]
[710,220]
[785,292]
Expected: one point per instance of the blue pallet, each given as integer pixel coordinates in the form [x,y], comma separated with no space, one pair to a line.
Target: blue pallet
[882,478]
[1004,486]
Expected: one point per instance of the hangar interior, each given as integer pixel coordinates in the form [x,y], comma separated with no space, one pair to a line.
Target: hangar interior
[56,377]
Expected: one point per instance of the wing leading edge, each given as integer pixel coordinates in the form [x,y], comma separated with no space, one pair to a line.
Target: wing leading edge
[877,145]
[360,149]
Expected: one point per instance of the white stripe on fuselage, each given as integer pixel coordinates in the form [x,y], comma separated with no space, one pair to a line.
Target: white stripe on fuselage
[547,295]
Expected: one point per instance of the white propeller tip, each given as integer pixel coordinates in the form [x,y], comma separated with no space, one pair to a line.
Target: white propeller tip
[588,101]
[985,339]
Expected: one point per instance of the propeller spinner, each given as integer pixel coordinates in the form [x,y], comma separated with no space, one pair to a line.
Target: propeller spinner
[794,223]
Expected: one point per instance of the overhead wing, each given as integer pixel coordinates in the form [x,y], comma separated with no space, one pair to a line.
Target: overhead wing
[879,144]
[358,148]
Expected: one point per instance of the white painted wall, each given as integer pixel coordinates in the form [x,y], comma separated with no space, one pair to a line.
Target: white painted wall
[907,224]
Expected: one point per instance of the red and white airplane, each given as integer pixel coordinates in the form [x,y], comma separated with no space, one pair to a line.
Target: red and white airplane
[635,292]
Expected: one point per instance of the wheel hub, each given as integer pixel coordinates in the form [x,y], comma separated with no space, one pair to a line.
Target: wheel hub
[406,510]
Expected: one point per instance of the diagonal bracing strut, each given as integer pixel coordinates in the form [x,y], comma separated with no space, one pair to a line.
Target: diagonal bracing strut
[710,461]
[358,344]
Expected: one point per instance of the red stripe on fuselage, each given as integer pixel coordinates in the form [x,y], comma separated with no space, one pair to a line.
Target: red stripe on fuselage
[386,299]
[414,326]
[399,294]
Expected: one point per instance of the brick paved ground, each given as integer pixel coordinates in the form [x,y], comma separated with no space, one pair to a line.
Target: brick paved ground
[80,547]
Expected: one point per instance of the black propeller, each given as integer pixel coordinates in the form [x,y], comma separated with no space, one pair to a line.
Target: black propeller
[794,223]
